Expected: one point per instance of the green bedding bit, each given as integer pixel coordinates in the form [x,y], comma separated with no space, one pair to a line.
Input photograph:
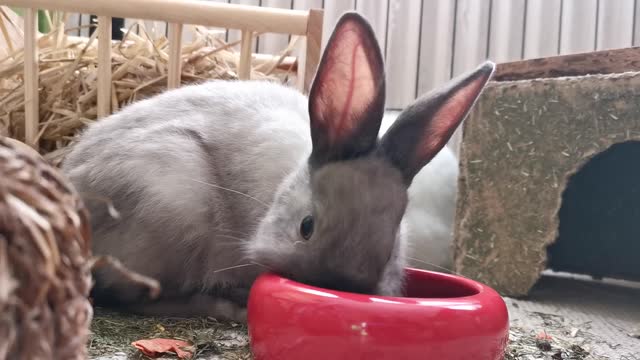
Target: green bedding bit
[44,25]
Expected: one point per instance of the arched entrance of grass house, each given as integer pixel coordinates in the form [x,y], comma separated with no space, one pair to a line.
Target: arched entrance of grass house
[599,217]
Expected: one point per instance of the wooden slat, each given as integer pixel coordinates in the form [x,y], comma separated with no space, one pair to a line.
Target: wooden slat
[85,19]
[302,81]
[301,62]
[128,23]
[636,25]
[244,66]
[403,43]
[175,61]
[234,35]
[72,22]
[333,9]
[578,26]
[307,4]
[376,13]
[104,66]
[435,44]
[156,29]
[506,32]
[274,43]
[470,43]
[434,68]
[542,31]
[187,38]
[599,62]
[615,24]
[312,48]
[207,13]
[31,100]
[288,63]
[188,33]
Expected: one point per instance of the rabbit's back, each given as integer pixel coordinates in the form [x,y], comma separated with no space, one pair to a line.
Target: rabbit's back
[228,115]
[190,172]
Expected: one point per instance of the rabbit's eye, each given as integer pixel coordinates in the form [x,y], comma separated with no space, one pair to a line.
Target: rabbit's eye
[306,227]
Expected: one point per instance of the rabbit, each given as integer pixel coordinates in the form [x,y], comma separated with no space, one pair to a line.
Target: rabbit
[219,182]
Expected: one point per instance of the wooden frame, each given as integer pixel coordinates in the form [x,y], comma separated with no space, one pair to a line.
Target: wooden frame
[248,19]
[589,63]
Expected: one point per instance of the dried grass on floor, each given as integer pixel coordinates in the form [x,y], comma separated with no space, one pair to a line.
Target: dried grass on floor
[112,333]
[68,77]
[526,345]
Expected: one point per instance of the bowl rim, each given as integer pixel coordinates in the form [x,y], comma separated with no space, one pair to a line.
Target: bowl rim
[483,292]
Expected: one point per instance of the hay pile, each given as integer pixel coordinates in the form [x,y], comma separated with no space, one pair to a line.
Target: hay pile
[44,260]
[68,77]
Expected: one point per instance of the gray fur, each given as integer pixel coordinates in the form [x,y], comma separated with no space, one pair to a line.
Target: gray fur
[177,224]
[358,205]
[214,176]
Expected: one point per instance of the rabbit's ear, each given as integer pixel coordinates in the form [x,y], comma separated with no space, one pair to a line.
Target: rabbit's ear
[346,100]
[425,127]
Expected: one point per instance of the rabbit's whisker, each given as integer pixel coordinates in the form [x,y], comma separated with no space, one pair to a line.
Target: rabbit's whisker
[232,237]
[434,265]
[232,231]
[264,266]
[233,267]
[241,266]
[232,191]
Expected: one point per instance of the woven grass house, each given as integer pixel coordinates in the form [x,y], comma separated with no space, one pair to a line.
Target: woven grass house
[548,172]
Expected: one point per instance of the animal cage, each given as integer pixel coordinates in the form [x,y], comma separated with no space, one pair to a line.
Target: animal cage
[250,20]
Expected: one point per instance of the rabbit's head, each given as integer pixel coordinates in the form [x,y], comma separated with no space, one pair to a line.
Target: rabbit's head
[335,222]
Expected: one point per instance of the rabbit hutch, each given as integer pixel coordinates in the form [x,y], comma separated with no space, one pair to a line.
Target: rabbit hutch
[57,82]
[548,175]
[54,82]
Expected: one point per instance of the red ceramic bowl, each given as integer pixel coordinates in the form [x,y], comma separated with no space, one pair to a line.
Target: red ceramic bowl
[443,317]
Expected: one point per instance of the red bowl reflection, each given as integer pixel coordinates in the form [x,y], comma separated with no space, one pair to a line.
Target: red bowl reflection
[442,317]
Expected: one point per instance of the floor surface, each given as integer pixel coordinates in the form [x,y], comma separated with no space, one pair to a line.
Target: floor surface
[601,316]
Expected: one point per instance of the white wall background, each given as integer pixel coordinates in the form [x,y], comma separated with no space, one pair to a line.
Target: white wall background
[426,42]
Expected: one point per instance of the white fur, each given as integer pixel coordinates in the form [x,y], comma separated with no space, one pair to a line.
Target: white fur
[431,211]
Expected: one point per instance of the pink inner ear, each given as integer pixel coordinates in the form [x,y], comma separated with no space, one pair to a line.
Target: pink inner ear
[348,83]
[450,115]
